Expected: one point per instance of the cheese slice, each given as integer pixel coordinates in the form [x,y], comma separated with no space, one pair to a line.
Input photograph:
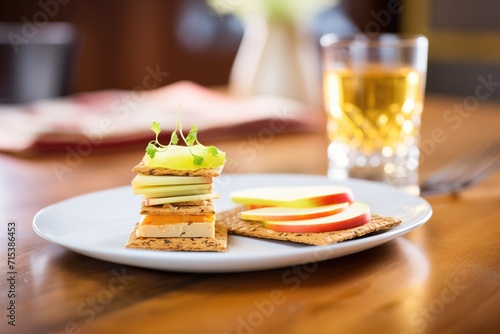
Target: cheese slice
[177,230]
[164,220]
[192,226]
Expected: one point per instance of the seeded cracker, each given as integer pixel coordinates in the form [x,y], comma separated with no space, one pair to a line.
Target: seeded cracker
[217,244]
[238,226]
[196,208]
[206,172]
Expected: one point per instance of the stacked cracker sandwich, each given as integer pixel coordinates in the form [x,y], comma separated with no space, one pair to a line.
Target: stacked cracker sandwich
[178,212]
[177,209]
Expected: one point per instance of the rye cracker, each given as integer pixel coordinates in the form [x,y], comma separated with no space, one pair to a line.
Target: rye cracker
[238,226]
[206,172]
[199,202]
[173,209]
[217,244]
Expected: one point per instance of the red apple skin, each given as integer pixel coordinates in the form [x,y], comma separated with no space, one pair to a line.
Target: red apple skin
[346,197]
[325,227]
[251,206]
[305,202]
[247,215]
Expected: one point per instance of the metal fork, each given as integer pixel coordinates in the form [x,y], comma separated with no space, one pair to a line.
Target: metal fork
[464,172]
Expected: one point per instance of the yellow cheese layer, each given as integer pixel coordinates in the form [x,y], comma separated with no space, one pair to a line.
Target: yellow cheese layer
[164,220]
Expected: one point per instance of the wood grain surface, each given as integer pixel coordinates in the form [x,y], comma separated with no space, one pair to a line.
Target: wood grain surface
[443,277]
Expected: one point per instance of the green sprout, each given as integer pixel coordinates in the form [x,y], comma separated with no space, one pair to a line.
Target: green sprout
[190,140]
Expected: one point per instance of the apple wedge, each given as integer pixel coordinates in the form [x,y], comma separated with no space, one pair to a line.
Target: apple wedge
[181,157]
[141,180]
[276,213]
[356,214]
[176,199]
[293,196]
[176,190]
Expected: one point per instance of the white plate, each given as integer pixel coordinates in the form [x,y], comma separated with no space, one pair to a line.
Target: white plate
[98,225]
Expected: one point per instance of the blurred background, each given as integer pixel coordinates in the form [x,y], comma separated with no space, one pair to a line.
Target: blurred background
[114,41]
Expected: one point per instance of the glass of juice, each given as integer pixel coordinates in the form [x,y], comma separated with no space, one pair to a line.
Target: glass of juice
[373,95]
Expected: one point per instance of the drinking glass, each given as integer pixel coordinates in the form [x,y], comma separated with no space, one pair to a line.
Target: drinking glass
[37,60]
[373,95]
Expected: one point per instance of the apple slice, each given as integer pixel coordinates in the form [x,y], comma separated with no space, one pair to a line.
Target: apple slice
[181,157]
[176,199]
[293,196]
[276,213]
[178,193]
[176,190]
[356,214]
[141,180]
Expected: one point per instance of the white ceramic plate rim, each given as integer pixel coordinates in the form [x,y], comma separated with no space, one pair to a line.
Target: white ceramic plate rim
[97,225]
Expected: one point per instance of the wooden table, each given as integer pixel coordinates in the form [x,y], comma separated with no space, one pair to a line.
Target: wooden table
[441,277]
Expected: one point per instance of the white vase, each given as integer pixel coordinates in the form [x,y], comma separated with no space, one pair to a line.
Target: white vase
[277,58]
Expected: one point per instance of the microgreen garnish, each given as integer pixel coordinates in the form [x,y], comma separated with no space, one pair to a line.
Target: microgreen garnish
[151,149]
[190,140]
[191,137]
[154,145]
[156,129]
[213,150]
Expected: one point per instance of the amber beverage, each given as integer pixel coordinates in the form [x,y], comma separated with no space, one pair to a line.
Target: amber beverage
[373,93]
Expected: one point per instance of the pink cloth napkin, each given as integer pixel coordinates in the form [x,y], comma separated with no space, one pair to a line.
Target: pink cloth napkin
[121,119]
